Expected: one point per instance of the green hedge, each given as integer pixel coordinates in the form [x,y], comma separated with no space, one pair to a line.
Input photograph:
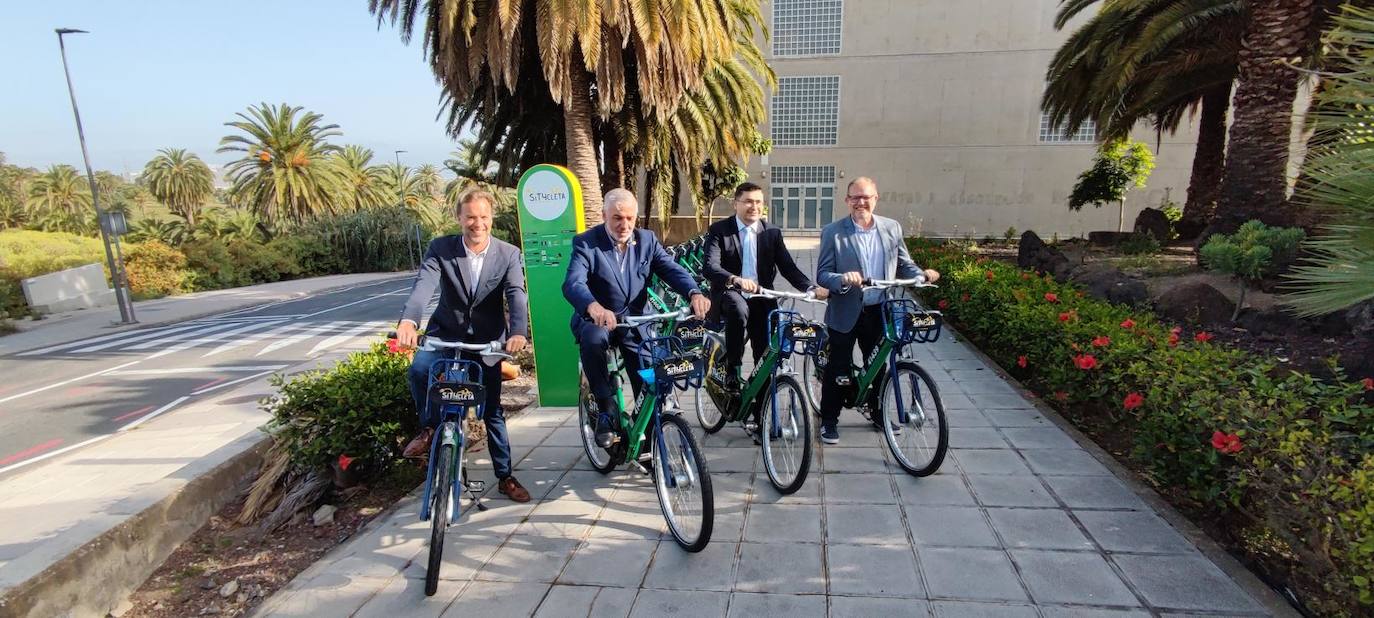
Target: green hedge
[1228,434]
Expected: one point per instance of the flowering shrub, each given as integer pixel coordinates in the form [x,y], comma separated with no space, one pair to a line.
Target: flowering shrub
[1225,432]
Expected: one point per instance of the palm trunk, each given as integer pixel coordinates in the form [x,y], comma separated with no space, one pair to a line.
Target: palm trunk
[614,156]
[577,127]
[1255,183]
[1209,161]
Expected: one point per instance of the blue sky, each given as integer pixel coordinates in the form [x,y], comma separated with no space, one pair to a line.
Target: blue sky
[156,73]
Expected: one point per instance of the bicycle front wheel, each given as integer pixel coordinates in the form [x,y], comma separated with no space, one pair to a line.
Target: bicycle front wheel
[683,484]
[785,435]
[914,420]
[710,416]
[441,495]
[811,383]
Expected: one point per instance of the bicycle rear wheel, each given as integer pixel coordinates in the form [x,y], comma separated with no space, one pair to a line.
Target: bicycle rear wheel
[785,435]
[915,430]
[441,495]
[683,484]
[811,383]
[601,459]
[708,414]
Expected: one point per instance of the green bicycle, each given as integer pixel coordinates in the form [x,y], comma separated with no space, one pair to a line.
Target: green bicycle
[649,435]
[909,411]
[771,404]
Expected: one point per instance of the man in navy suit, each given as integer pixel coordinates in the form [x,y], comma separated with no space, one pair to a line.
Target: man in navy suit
[607,279]
[744,253]
[481,283]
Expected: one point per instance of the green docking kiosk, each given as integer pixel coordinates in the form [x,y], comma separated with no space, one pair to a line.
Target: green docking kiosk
[550,212]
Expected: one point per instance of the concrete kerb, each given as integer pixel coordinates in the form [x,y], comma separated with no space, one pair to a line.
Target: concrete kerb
[141,325]
[96,577]
[1243,577]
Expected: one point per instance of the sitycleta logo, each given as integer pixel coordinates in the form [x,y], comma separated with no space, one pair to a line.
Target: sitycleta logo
[545,195]
[457,394]
[688,332]
[678,367]
[803,332]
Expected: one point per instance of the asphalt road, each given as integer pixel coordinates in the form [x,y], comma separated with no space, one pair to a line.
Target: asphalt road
[61,397]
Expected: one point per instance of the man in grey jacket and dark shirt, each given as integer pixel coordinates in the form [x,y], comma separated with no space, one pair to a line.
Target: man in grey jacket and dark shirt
[481,283]
[860,246]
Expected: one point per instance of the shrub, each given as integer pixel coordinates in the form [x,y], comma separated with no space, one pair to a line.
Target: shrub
[1220,430]
[311,256]
[361,408]
[255,263]
[1253,253]
[26,253]
[1139,244]
[381,240]
[212,266]
[155,270]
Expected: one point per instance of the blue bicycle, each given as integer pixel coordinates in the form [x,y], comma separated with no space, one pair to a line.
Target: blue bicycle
[455,387]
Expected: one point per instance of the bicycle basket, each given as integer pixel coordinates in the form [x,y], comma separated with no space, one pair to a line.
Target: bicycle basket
[673,364]
[692,332]
[794,334]
[455,383]
[907,322]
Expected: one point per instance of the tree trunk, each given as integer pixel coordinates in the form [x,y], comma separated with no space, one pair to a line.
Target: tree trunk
[1255,183]
[612,154]
[577,127]
[1209,162]
[1121,215]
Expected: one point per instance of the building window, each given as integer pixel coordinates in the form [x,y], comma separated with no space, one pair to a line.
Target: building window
[806,27]
[806,111]
[803,196]
[1052,135]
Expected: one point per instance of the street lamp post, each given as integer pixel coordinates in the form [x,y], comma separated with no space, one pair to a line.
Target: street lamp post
[121,287]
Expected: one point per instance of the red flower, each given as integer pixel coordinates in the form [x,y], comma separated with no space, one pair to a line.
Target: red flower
[344,461]
[943,304]
[1022,362]
[1133,401]
[1061,395]
[1064,317]
[964,298]
[989,275]
[1085,361]
[393,346]
[1052,297]
[1368,384]
[1173,339]
[1177,330]
[1203,337]
[1128,323]
[1025,276]
[1102,342]
[1227,443]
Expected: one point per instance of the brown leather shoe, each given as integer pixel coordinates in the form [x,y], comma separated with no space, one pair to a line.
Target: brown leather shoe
[419,447]
[512,489]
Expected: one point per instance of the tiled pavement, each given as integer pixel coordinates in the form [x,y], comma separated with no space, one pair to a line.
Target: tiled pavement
[1020,521]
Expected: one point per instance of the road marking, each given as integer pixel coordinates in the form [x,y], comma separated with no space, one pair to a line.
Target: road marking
[66,382]
[230,383]
[344,336]
[286,341]
[356,302]
[133,414]
[52,454]
[135,335]
[256,337]
[220,336]
[194,337]
[170,370]
[208,384]
[30,452]
[154,414]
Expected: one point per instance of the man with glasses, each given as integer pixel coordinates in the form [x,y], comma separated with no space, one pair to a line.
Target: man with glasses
[860,246]
[744,253]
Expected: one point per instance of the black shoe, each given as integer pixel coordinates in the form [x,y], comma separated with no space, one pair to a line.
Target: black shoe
[830,434]
[606,436]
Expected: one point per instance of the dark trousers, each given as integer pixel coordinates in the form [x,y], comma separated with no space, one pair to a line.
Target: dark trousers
[594,344]
[868,331]
[492,414]
[745,317]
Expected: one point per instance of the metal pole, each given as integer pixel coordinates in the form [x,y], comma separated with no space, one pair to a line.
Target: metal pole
[126,307]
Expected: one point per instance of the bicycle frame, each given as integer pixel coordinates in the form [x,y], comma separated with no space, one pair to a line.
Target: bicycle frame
[450,430]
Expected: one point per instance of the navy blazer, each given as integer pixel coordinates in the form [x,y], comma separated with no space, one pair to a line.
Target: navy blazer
[495,311]
[725,253]
[593,273]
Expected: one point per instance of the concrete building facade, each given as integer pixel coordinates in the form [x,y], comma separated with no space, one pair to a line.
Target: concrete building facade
[939,102]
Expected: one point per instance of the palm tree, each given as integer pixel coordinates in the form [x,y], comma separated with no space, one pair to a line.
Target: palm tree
[468,163]
[492,45]
[402,186]
[366,182]
[180,180]
[60,191]
[430,183]
[1156,60]
[284,173]
[1340,171]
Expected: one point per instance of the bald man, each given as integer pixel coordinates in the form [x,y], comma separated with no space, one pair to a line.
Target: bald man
[608,279]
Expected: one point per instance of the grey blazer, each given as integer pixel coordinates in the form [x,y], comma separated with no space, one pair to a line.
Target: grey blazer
[497,309]
[839,255]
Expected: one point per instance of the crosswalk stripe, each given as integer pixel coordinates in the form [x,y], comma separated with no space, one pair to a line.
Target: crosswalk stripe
[342,337]
[117,338]
[286,341]
[217,337]
[256,337]
[185,336]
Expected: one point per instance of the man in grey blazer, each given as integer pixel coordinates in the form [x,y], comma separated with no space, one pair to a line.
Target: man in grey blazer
[860,246]
[481,284]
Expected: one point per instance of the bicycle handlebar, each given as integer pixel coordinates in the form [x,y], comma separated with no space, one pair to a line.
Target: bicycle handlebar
[918,281]
[809,297]
[631,321]
[490,349]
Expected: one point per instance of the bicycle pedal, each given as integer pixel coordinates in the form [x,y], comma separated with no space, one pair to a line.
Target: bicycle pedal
[477,486]
[642,469]
[751,426]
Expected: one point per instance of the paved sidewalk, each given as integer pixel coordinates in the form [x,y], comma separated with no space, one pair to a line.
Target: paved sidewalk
[75,325]
[1021,520]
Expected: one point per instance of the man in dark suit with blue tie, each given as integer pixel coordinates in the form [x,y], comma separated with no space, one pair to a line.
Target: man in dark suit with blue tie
[608,279]
[744,253]
[481,283]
